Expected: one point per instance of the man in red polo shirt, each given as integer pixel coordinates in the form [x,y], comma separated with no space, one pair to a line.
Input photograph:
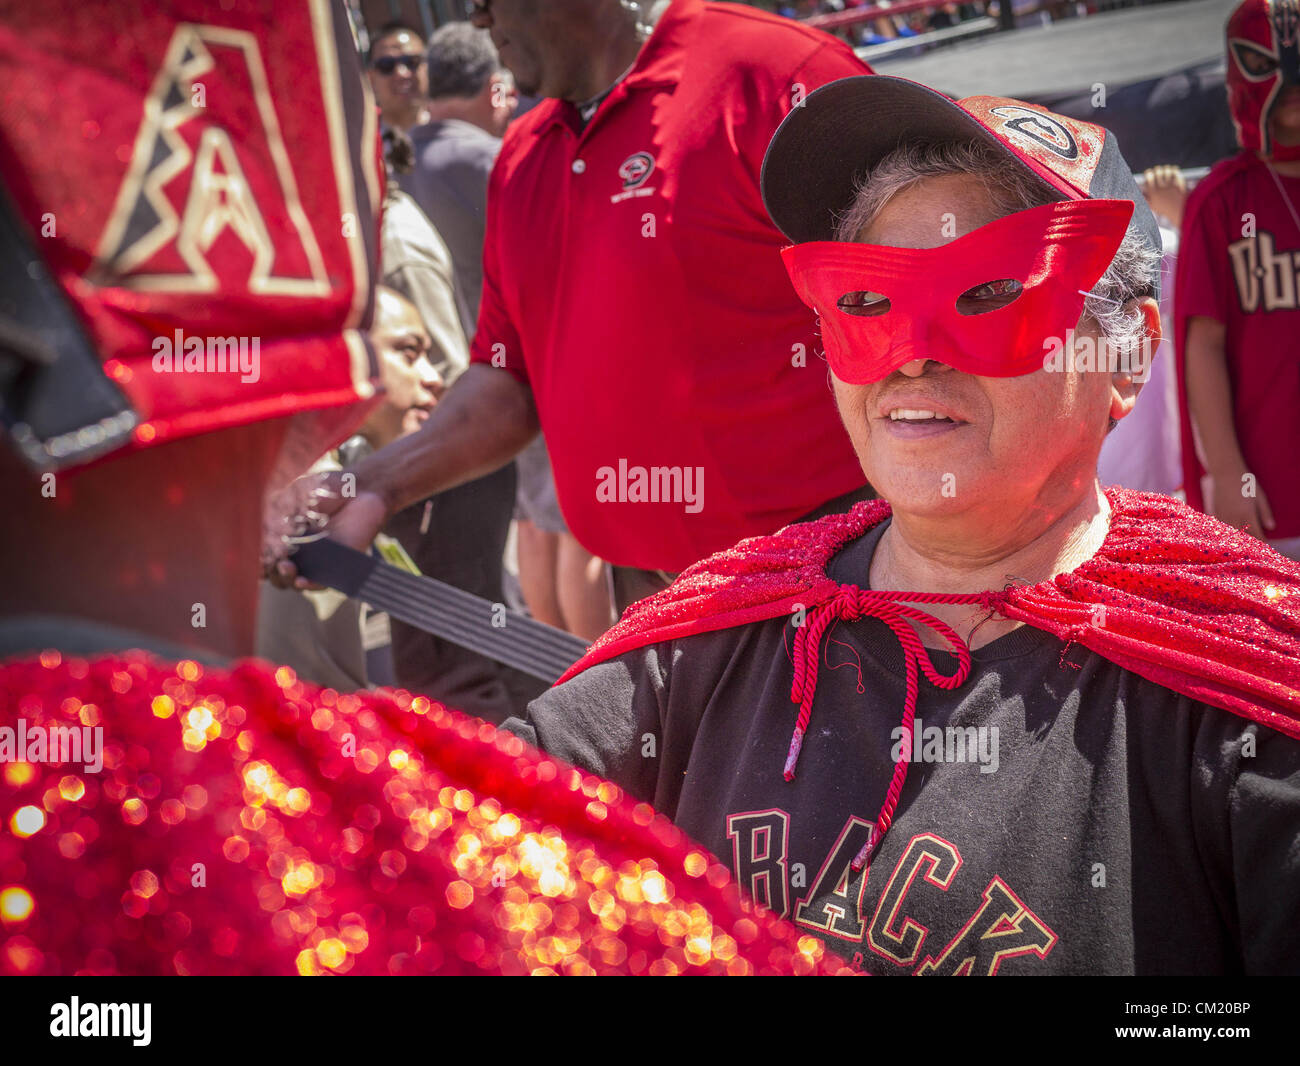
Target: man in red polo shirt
[634,302]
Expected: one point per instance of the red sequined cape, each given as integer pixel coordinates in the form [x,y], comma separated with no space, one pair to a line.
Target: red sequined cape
[1173,595]
[243,822]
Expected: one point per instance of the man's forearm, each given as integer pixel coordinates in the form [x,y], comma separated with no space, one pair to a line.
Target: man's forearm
[1209,397]
[482,422]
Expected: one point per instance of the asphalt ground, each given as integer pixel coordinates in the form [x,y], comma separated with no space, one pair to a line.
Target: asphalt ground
[1112,48]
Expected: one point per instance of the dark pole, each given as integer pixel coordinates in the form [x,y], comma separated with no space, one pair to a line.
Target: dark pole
[1006,15]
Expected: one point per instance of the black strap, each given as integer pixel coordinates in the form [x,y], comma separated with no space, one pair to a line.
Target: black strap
[56,402]
[467,620]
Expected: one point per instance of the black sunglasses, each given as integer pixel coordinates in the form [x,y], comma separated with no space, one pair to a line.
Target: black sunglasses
[388,64]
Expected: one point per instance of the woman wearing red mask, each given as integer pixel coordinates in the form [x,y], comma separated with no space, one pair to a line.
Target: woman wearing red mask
[1001,720]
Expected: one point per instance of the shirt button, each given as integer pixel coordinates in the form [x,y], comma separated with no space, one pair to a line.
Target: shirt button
[579,166]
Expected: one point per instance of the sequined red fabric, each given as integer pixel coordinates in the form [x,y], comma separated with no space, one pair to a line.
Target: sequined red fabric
[244,822]
[176,100]
[1172,594]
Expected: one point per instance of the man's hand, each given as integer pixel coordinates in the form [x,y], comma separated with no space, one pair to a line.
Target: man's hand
[1235,499]
[484,421]
[355,520]
[326,502]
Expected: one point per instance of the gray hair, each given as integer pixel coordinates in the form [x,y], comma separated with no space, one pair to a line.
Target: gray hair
[1012,188]
[461,60]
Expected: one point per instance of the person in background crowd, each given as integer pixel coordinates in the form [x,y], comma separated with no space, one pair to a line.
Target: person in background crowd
[471,100]
[412,384]
[1142,452]
[633,296]
[563,584]
[1165,189]
[397,75]
[417,263]
[467,82]
[458,536]
[1238,308]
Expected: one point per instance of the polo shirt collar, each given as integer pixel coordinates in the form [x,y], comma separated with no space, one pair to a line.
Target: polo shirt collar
[661,61]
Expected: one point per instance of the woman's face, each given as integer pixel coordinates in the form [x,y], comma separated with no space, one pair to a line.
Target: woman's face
[936,441]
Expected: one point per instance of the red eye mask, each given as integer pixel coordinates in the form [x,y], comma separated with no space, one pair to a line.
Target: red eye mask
[986,303]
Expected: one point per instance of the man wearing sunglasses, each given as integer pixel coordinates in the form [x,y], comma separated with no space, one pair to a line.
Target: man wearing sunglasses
[398,76]
[1000,720]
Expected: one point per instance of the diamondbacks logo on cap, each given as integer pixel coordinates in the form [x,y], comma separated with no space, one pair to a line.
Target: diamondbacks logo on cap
[634,170]
[1039,128]
[1067,147]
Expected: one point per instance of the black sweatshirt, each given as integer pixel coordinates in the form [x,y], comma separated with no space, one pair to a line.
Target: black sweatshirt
[1060,815]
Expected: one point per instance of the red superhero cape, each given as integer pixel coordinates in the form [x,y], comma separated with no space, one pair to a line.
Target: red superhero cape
[1190,604]
[1173,595]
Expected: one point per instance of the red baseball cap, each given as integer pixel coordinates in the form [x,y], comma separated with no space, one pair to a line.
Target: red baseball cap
[821,151]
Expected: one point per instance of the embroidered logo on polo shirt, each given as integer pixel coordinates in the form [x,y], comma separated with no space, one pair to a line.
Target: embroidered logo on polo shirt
[634,170]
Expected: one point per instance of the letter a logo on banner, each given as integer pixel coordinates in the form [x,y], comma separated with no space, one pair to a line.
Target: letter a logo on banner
[193,211]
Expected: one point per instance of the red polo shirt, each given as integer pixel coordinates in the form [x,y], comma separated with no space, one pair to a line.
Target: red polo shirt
[633,280]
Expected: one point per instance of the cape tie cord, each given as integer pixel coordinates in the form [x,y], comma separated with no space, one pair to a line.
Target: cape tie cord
[851,603]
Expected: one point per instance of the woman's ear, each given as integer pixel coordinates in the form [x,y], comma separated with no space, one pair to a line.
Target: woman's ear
[1134,367]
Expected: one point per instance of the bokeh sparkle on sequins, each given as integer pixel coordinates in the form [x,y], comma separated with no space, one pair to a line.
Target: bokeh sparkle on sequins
[249,823]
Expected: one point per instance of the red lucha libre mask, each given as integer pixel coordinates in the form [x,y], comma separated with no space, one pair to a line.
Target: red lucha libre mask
[988,303]
[1263,62]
